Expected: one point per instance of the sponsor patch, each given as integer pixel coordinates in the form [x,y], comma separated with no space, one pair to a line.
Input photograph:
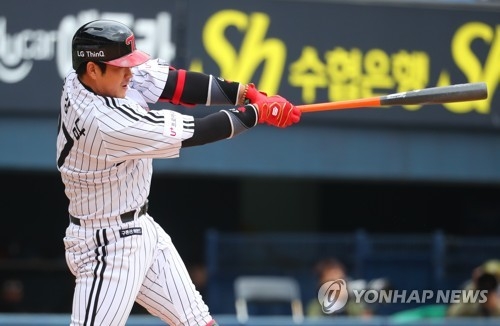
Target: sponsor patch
[173,124]
[132,231]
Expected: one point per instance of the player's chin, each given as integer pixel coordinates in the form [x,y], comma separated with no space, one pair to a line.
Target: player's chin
[120,93]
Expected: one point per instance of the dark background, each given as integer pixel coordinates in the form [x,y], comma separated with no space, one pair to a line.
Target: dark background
[35,217]
[35,209]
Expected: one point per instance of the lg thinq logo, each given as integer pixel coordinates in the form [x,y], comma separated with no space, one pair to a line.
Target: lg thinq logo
[333,296]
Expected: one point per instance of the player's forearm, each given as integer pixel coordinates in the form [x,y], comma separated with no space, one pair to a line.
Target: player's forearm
[222,125]
[189,88]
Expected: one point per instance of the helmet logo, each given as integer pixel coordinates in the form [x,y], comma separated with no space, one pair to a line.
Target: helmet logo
[90,54]
[131,41]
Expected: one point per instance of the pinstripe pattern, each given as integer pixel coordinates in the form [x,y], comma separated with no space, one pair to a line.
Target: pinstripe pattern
[105,149]
[113,272]
[100,267]
[179,301]
[119,142]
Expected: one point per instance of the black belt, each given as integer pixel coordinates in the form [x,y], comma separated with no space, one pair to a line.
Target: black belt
[125,217]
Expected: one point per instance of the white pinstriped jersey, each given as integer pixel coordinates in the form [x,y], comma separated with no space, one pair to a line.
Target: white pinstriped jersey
[105,145]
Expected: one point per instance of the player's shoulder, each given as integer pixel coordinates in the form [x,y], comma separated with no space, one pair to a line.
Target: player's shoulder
[70,76]
[71,82]
[153,64]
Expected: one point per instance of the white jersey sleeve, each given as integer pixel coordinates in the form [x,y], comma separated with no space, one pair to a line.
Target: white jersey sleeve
[149,79]
[128,131]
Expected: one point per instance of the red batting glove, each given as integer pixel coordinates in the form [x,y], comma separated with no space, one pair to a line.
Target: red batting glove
[253,94]
[277,111]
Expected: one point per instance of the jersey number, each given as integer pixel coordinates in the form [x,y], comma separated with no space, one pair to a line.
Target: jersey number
[67,147]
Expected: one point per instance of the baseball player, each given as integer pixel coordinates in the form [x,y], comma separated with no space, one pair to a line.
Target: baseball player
[106,142]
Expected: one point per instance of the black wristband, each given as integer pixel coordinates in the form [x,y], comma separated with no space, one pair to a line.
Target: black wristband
[222,125]
[246,115]
[213,127]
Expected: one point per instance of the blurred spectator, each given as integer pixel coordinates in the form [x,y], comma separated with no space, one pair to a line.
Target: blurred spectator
[482,281]
[332,269]
[491,266]
[198,273]
[12,296]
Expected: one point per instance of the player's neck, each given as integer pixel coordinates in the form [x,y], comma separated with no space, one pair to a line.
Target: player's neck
[86,82]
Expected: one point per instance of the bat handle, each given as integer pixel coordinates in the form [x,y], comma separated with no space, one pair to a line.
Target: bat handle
[341,105]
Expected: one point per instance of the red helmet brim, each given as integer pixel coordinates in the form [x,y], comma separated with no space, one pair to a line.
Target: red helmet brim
[130,60]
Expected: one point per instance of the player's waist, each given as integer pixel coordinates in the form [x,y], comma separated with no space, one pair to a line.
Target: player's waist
[123,218]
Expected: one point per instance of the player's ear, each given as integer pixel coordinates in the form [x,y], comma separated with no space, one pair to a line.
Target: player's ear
[93,70]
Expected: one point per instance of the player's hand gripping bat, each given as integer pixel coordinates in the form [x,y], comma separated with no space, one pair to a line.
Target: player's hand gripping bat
[433,95]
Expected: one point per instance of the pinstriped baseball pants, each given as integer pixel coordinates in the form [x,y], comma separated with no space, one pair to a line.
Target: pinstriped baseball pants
[119,263]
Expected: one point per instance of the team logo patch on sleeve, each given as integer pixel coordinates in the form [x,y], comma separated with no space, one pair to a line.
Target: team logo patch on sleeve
[173,124]
[132,231]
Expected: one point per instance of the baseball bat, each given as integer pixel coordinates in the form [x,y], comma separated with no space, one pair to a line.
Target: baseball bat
[432,95]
